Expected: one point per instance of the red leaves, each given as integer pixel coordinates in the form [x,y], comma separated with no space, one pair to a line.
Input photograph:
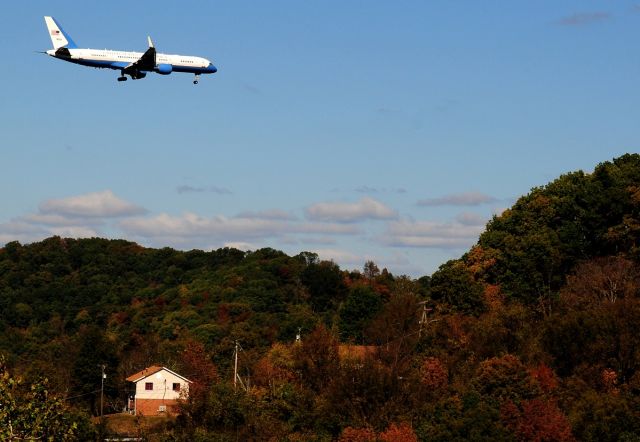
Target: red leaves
[434,374]
[399,433]
[537,420]
[545,377]
[199,368]
[394,433]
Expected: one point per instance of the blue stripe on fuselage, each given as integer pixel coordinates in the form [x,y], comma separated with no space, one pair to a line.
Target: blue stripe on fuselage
[107,64]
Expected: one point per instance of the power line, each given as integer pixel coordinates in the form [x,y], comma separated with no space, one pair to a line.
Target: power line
[80,395]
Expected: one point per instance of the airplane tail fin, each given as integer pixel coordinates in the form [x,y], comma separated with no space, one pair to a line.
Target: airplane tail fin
[59,38]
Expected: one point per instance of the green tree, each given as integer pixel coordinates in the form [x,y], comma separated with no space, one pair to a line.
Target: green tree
[454,285]
[325,283]
[357,311]
[94,351]
[33,413]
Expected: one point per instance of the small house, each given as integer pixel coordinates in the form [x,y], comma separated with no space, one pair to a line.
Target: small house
[158,390]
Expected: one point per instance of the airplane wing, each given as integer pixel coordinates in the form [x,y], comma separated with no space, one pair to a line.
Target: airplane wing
[145,63]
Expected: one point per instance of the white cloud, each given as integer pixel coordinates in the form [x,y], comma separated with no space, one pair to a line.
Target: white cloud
[325,228]
[471,219]
[431,234]
[273,214]
[74,232]
[58,220]
[91,205]
[25,232]
[190,225]
[20,227]
[244,246]
[459,199]
[342,257]
[366,208]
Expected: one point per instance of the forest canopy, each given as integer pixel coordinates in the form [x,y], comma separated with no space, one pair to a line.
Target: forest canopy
[530,335]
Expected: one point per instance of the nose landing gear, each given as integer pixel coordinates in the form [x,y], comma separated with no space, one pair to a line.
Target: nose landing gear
[195,81]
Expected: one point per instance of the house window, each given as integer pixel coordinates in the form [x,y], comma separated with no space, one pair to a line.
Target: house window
[176,386]
[148,385]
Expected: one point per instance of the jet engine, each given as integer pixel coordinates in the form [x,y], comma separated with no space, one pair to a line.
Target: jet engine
[164,69]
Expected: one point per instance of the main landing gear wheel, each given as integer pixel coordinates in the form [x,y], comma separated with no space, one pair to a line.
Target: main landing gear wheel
[122,78]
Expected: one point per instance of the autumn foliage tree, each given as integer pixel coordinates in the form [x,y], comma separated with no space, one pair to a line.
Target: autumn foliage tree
[316,358]
[398,433]
[350,434]
[504,378]
[600,280]
[198,368]
[434,374]
[537,420]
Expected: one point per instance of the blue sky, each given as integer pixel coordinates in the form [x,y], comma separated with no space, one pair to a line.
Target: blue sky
[360,130]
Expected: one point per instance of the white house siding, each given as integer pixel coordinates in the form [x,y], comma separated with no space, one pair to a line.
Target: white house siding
[163,382]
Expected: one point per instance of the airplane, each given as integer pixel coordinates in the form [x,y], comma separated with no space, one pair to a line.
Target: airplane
[134,64]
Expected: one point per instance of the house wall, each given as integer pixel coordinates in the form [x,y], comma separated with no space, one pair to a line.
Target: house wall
[151,407]
[162,387]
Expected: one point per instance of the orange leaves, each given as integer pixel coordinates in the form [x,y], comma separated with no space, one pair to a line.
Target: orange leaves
[545,378]
[492,297]
[399,433]
[434,374]
[394,433]
[351,434]
[275,367]
[609,379]
[537,420]
[479,260]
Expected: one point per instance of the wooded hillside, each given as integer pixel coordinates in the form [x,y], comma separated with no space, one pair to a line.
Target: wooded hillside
[530,335]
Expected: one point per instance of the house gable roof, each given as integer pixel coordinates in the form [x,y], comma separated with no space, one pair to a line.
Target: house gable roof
[151,371]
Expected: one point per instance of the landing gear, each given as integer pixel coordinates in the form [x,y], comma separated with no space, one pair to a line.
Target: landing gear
[195,81]
[123,78]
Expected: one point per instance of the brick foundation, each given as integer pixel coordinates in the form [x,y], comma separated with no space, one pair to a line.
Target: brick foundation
[150,407]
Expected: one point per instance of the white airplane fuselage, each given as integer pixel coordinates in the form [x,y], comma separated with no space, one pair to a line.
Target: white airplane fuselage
[134,64]
[105,58]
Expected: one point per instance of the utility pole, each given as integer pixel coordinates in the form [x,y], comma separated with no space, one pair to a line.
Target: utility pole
[102,388]
[236,376]
[235,368]
[424,321]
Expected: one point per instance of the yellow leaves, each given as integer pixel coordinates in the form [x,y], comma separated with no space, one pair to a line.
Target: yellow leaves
[83,317]
[479,260]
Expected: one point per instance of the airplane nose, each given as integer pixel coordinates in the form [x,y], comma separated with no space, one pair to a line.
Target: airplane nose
[211,68]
